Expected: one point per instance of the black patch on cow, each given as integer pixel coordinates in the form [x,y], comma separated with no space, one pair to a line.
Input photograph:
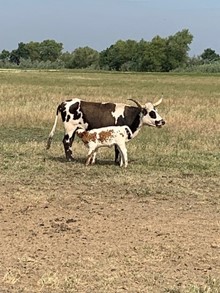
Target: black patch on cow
[76,116]
[144,111]
[62,109]
[132,118]
[74,107]
[136,123]
[153,114]
[66,137]
[120,121]
[97,114]
[63,114]
[128,133]
[68,118]
[73,110]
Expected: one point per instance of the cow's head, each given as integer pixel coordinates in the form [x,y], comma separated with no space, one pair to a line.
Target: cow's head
[150,115]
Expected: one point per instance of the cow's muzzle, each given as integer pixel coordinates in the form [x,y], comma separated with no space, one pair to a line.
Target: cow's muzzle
[159,123]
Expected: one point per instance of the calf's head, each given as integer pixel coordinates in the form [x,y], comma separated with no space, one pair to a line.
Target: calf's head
[150,114]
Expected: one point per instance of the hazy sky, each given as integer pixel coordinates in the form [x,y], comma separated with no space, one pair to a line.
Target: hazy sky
[100,23]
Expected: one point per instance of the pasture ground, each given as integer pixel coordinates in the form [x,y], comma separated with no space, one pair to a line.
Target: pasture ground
[153,227]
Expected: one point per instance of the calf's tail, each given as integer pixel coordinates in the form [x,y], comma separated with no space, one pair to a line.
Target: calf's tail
[49,140]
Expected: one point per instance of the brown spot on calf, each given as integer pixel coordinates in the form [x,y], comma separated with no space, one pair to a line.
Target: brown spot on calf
[87,137]
[104,135]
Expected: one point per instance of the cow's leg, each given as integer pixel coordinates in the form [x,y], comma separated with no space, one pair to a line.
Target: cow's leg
[121,158]
[67,143]
[117,155]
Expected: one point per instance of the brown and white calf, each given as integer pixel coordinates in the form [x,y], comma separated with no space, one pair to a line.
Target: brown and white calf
[106,137]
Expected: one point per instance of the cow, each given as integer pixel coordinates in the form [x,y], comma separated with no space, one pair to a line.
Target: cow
[106,137]
[89,115]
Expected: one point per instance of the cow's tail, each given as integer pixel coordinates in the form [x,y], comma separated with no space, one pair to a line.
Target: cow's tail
[49,140]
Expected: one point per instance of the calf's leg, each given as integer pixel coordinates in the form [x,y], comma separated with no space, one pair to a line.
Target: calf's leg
[123,153]
[93,158]
[91,154]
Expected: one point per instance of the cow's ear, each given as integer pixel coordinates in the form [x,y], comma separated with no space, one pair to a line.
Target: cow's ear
[144,111]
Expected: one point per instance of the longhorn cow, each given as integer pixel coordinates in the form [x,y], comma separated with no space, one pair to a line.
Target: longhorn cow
[89,115]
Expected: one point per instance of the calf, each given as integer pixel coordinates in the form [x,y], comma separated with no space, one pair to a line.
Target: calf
[106,137]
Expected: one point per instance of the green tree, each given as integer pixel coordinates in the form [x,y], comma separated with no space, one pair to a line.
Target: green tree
[50,50]
[209,55]
[4,56]
[104,59]
[20,52]
[154,55]
[120,55]
[66,58]
[177,50]
[140,56]
[14,57]
[161,54]
[83,58]
[33,49]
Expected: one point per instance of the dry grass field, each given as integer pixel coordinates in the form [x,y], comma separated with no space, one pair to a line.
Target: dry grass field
[153,227]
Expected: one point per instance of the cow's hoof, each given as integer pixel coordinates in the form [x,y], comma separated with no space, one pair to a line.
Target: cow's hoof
[70,159]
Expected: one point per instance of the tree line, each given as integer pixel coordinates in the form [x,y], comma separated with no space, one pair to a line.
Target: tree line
[158,55]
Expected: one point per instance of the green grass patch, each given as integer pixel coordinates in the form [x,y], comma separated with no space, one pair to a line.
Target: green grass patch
[187,144]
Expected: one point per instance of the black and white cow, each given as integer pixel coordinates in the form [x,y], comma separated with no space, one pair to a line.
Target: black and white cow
[89,115]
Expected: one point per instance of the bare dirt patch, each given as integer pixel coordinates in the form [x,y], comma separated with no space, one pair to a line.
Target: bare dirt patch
[110,241]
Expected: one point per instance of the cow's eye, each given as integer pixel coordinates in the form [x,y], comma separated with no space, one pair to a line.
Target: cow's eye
[153,114]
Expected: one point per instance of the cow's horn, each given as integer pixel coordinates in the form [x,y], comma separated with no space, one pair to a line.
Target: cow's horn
[158,102]
[138,104]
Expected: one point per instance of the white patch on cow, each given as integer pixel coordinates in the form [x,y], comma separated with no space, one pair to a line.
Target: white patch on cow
[119,111]
[72,123]
[84,125]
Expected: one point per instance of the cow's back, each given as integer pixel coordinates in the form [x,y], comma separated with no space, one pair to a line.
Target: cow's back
[99,115]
